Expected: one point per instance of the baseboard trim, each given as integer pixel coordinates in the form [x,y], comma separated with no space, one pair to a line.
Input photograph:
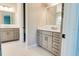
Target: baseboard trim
[9,41]
[31,46]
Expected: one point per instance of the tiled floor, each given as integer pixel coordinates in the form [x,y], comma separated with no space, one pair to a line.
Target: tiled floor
[18,48]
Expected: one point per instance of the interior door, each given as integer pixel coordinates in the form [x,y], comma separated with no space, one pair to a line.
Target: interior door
[69,29]
[24,22]
[0,48]
[77,42]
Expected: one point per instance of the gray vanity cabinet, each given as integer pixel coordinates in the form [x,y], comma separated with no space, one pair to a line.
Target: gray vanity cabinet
[45,39]
[51,41]
[39,36]
[6,35]
[9,34]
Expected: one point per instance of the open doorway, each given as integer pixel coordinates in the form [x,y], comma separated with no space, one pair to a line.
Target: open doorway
[38,16]
[11,24]
[24,22]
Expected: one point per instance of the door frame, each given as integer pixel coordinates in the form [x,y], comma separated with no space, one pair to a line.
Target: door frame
[24,21]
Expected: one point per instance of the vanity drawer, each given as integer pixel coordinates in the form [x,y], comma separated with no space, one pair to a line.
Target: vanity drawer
[56,39]
[56,44]
[47,32]
[56,53]
[56,50]
[57,35]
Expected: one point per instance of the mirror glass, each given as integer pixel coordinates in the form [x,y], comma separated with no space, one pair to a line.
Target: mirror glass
[7,15]
[54,15]
[8,18]
[51,15]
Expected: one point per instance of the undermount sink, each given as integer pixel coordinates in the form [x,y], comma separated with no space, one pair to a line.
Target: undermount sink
[54,28]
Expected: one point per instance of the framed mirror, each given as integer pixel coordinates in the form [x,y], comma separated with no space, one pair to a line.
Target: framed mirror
[7,15]
[54,15]
[51,15]
[8,18]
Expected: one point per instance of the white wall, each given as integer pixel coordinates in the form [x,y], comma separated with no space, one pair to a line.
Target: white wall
[34,13]
[19,17]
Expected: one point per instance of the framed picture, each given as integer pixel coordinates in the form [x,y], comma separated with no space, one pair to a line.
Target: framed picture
[6,19]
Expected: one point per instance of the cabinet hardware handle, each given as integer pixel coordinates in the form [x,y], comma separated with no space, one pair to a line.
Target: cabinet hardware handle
[46,38]
[63,36]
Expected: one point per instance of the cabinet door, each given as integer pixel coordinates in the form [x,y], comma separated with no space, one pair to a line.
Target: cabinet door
[0,48]
[10,35]
[16,34]
[50,43]
[39,38]
[45,41]
[3,37]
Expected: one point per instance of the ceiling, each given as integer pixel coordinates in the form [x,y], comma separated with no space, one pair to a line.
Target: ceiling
[48,4]
[9,4]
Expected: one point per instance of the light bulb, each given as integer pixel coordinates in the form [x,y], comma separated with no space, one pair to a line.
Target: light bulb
[52,4]
[1,8]
[11,9]
[6,9]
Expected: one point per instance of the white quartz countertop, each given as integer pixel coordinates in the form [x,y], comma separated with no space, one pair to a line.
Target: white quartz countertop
[9,26]
[49,28]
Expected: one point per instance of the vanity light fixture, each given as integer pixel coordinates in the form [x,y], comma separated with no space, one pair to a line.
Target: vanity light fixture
[52,4]
[11,9]
[5,8]
[1,8]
